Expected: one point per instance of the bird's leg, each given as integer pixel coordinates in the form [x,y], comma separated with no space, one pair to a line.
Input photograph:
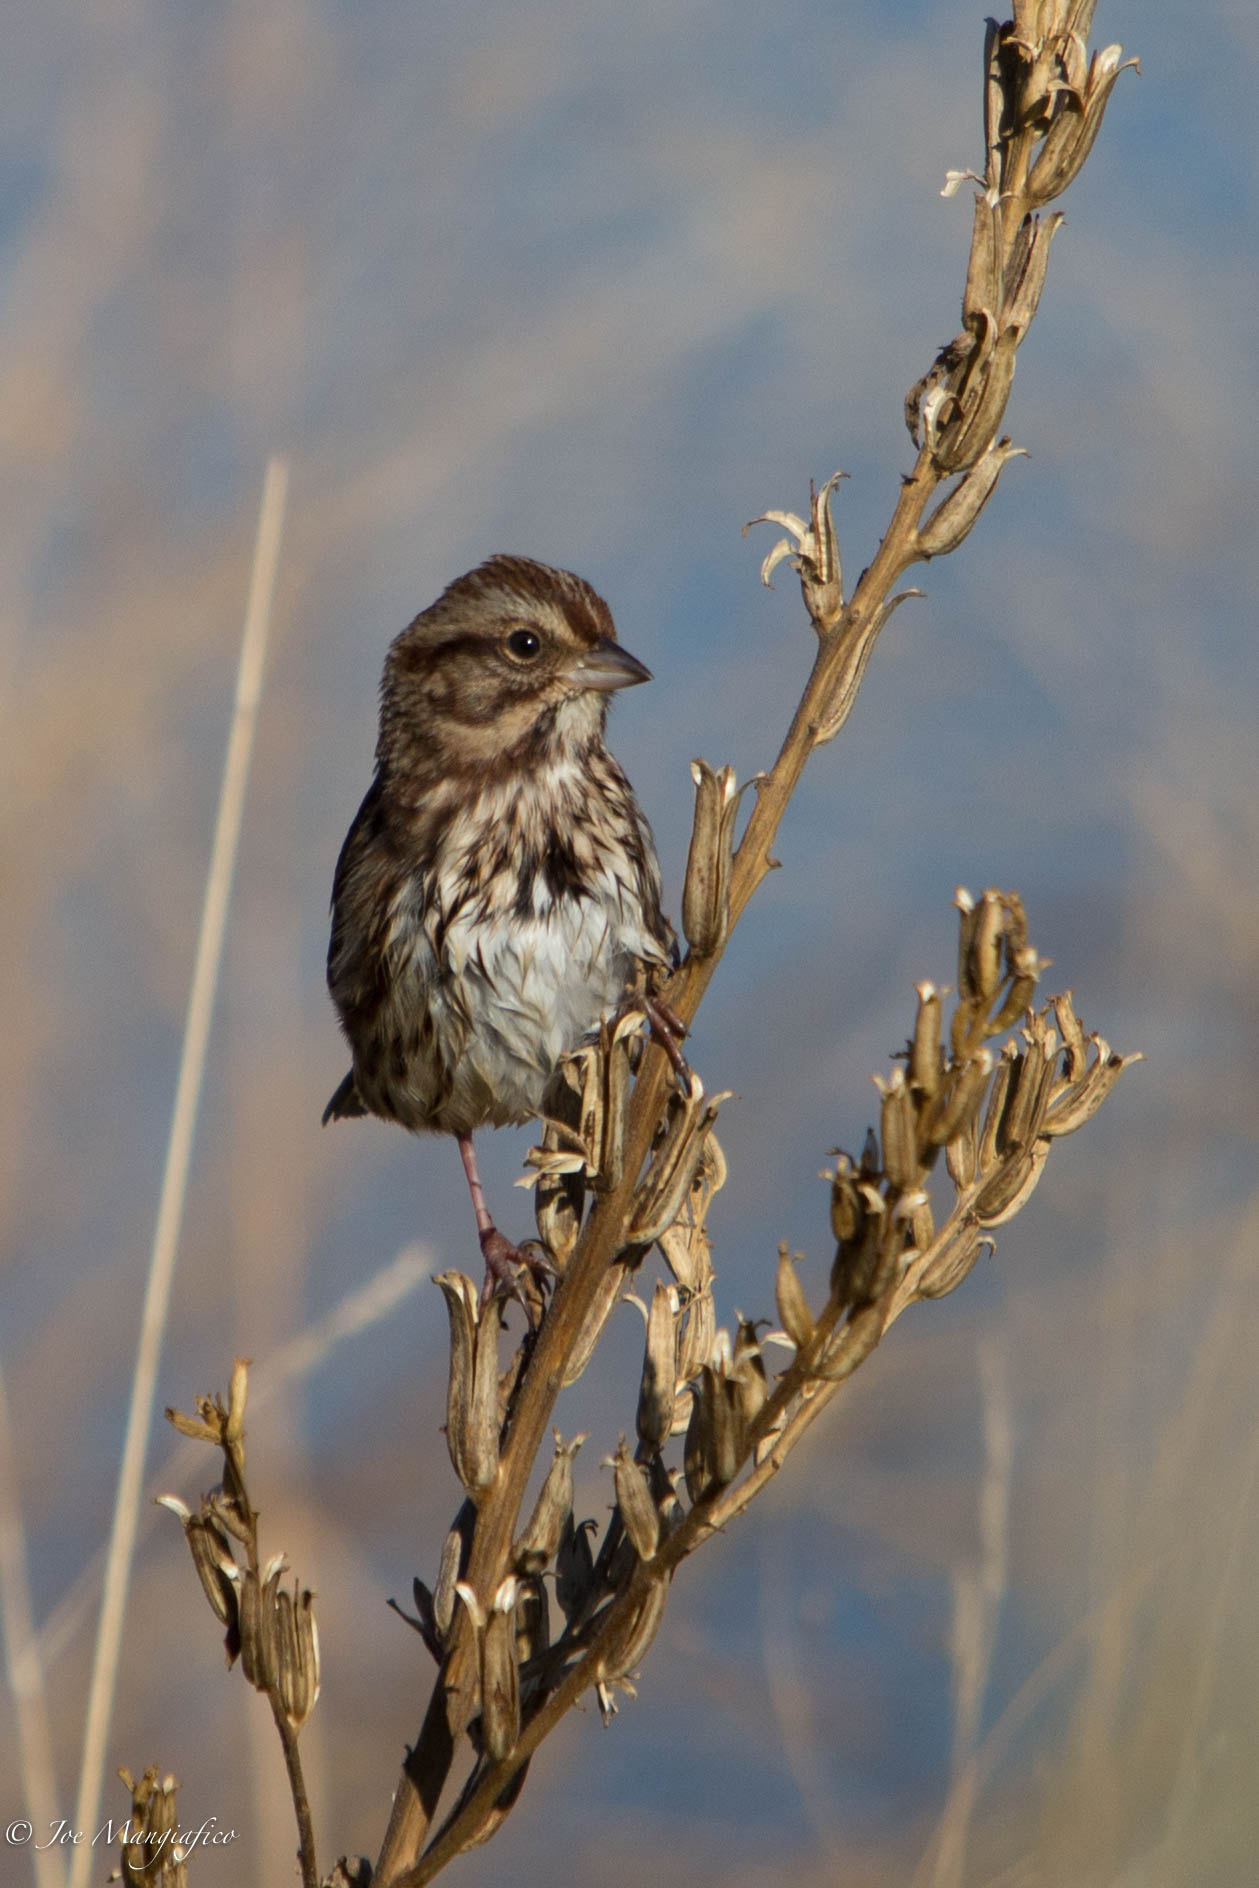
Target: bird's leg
[504,1262]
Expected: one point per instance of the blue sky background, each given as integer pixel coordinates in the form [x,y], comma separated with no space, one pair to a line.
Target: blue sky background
[598,285]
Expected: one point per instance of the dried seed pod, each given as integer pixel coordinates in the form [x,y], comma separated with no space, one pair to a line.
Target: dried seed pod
[533,1621]
[615,1071]
[1033,1078]
[1026,271]
[450,1568]
[961,1156]
[968,918]
[215,1562]
[663,1190]
[748,1373]
[663,1483]
[660,1369]
[890,1257]
[954,517]
[1010,1187]
[500,1679]
[913,1213]
[898,1134]
[552,1511]
[982,973]
[560,1195]
[1072,1035]
[624,1653]
[1081,1099]
[297,1654]
[994,1112]
[846,1210]
[638,1512]
[610,1292]
[838,704]
[851,1344]
[714,1436]
[959,1246]
[1071,136]
[462,1310]
[994,99]
[698,1452]
[472,1419]
[857,1260]
[686,1250]
[1025,969]
[706,888]
[574,1568]
[789,1299]
[924,1049]
[981,400]
[959,1101]
[983,269]
[258,1649]
[728,1425]
[814,556]
[699,1330]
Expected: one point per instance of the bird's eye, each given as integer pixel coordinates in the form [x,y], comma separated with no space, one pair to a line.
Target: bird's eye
[524,644]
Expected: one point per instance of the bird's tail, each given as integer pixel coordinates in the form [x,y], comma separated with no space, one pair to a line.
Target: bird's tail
[346,1103]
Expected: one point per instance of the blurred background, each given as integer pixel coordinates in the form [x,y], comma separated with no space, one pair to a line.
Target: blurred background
[598,285]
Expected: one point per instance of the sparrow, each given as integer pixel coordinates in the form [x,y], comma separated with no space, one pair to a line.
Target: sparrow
[498,893]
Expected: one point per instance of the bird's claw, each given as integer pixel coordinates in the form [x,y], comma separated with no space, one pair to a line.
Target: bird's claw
[668,1029]
[520,1272]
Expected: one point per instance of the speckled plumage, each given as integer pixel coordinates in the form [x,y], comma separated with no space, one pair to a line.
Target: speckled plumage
[498,890]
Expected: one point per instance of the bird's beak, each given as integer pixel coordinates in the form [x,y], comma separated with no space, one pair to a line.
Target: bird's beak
[608,666]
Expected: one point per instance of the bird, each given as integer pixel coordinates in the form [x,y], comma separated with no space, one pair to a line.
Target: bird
[498,893]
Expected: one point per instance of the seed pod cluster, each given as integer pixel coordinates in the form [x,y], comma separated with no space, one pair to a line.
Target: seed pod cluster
[1043,105]
[270,1629]
[149,1856]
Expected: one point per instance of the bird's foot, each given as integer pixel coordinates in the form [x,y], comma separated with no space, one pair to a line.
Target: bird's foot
[668,1029]
[520,1272]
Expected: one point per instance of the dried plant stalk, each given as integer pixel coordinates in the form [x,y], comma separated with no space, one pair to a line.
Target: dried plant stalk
[634,1162]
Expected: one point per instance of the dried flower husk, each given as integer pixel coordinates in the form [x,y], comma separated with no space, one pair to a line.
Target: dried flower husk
[626,1651]
[574,1568]
[897,1131]
[296,1654]
[500,1678]
[953,1257]
[955,516]
[610,1292]
[706,887]
[792,1306]
[1010,1187]
[639,1515]
[658,1387]
[533,1620]
[552,1512]
[851,1344]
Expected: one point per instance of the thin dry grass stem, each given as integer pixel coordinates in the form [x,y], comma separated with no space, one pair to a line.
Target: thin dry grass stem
[967,1117]
[213,928]
[978,1588]
[23,1666]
